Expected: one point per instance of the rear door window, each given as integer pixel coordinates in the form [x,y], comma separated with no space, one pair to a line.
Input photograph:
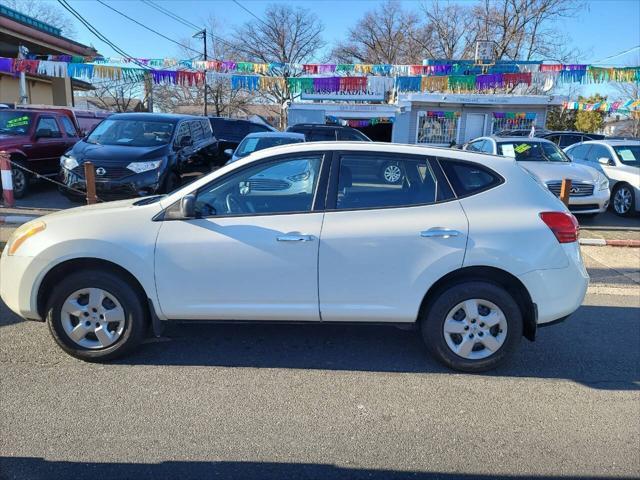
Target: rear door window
[468,178]
[383,181]
[68,126]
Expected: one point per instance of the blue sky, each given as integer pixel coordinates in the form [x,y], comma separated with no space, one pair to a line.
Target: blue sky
[602,29]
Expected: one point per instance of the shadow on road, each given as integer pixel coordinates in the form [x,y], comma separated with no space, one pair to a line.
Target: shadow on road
[597,346]
[39,468]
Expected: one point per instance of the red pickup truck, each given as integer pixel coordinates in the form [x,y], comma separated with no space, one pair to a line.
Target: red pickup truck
[35,139]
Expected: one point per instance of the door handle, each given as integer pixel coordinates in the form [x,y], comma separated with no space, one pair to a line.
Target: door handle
[439,233]
[295,238]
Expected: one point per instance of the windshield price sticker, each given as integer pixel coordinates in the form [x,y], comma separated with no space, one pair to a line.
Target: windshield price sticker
[523,147]
[18,122]
[627,155]
[507,151]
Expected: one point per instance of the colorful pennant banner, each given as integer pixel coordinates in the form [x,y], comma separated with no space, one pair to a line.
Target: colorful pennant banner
[608,107]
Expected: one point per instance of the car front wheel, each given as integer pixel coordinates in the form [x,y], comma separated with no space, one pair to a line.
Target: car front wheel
[472,326]
[623,200]
[96,315]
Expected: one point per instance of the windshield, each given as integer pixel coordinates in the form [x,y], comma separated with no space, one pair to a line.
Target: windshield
[253,144]
[131,133]
[629,154]
[532,151]
[15,123]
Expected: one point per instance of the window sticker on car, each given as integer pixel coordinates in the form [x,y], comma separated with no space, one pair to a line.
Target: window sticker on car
[626,155]
[507,151]
[18,122]
[523,147]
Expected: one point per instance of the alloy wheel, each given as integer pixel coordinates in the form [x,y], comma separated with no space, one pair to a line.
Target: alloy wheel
[19,179]
[475,329]
[622,200]
[93,318]
[392,173]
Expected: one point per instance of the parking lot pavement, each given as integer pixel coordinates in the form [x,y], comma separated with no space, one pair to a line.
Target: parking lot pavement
[324,402]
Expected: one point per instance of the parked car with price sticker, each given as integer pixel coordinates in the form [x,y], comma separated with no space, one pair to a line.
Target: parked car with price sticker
[589,193]
[619,161]
[35,140]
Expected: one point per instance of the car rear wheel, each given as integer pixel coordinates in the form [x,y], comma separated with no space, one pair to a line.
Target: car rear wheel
[472,326]
[624,201]
[96,315]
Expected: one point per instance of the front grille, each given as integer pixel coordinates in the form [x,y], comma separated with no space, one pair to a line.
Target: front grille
[579,189]
[267,184]
[111,172]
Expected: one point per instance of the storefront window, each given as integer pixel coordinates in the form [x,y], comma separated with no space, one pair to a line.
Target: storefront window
[437,127]
[512,121]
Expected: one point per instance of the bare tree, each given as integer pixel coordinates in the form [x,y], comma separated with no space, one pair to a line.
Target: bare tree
[118,96]
[387,34]
[285,35]
[45,12]
[450,31]
[628,91]
[526,29]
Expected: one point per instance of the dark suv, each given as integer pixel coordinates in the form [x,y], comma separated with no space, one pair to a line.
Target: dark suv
[138,154]
[35,139]
[316,132]
[229,132]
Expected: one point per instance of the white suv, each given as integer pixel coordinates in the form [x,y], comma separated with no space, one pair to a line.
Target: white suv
[619,160]
[468,247]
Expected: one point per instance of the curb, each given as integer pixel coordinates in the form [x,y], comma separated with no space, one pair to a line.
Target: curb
[601,242]
[16,219]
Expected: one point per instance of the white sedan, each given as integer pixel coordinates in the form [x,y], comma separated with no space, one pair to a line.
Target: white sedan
[589,193]
[468,248]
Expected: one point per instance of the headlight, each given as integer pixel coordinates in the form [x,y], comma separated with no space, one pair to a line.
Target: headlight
[139,167]
[603,183]
[68,162]
[300,176]
[22,234]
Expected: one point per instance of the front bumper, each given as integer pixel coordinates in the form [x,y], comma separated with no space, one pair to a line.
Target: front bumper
[596,203]
[134,185]
[18,277]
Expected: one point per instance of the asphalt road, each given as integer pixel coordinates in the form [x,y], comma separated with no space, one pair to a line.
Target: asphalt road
[324,402]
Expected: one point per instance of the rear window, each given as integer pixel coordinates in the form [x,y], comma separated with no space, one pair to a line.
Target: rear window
[230,130]
[468,178]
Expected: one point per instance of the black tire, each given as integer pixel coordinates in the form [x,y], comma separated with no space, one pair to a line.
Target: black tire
[135,314]
[618,210]
[21,179]
[435,314]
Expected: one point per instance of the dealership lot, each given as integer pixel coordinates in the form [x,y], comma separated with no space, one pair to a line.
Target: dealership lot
[328,402]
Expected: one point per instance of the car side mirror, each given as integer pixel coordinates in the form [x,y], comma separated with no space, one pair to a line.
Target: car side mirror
[188,206]
[44,133]
[186,141]
[606,161]
[229,152]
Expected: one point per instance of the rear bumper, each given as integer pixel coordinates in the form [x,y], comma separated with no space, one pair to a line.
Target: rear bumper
[558,292]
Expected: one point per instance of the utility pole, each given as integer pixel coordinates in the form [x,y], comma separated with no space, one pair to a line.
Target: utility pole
[203,33]
[24,96]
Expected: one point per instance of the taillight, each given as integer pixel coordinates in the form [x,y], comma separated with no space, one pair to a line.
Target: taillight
[563,225]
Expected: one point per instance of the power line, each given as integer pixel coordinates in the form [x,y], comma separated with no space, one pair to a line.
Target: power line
[148,28]
[100,36]
[172,15]
[251,13]
[619,54]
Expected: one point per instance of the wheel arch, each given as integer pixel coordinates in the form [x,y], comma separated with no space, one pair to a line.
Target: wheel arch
[494,275]
[85,263]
